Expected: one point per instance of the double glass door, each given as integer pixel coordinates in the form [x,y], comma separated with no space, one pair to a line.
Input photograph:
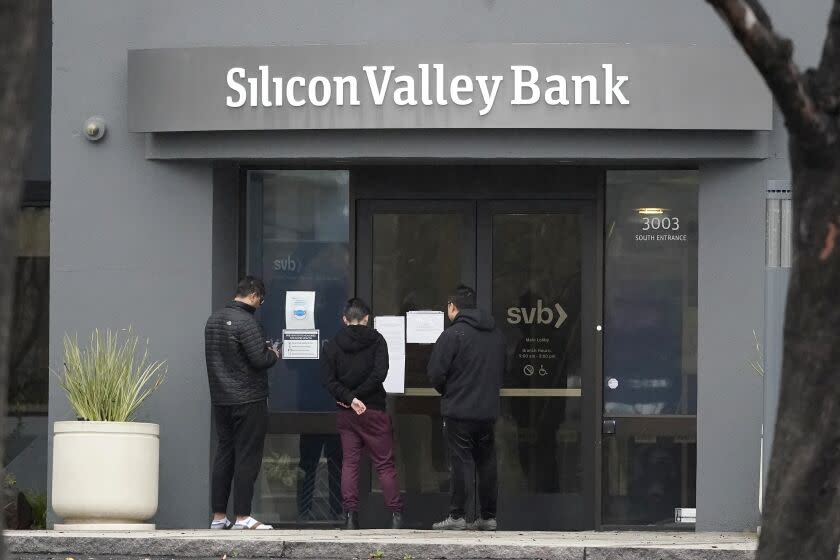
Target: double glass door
[532,263]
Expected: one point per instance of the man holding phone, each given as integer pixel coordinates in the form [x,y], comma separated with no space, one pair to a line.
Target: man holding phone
[238,359]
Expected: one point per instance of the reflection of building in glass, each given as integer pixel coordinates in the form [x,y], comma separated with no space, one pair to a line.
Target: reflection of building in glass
[303,246]
[540,253]
[650,357]
[311,447]
[651,294]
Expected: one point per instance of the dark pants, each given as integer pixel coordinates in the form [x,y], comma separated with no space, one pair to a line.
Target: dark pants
[372,432]
[240,430]
[472,442]
[310,447]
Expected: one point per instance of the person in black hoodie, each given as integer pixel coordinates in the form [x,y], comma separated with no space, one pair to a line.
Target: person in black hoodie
[238,359]
[355,364]
[466,368]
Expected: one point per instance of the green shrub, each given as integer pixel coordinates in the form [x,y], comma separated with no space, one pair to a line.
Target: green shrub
[38,502]
[105,381]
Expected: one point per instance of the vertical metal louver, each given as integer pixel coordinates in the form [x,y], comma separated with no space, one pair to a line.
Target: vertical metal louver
[779,224]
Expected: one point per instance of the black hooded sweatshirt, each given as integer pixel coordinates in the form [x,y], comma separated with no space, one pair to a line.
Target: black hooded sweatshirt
[354,365]
[467,365]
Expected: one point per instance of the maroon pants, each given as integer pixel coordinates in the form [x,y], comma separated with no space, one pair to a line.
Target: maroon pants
[372,432]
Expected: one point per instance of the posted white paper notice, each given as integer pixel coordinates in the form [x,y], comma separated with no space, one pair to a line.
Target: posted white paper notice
[423,327]
[392,329]
[300,310]
[301,344]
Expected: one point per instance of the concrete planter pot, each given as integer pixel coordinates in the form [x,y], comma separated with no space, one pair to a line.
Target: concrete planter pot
[105,475]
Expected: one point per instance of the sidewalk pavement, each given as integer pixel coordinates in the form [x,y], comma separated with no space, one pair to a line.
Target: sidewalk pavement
[363,545]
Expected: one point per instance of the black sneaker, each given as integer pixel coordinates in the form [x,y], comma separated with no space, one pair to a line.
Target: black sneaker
[451,524]
[482,524]
[396,520]
[351,521]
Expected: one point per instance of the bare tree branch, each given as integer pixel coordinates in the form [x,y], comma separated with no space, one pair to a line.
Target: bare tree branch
[773,56]
[760,14]
[828,72]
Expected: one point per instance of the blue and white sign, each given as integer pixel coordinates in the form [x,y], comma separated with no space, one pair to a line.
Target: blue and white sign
[300,310]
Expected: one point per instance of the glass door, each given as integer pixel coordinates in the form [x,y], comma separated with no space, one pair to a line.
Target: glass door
[536,274]
[533,264]
[411,254]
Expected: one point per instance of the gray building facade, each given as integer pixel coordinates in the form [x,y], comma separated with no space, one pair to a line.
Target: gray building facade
[151,227]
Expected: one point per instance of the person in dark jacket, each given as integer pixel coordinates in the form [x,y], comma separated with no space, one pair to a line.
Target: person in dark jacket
[238,358]
[355,364]
[466,368]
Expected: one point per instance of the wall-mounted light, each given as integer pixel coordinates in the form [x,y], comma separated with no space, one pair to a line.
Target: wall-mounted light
[650,211]
[94,129]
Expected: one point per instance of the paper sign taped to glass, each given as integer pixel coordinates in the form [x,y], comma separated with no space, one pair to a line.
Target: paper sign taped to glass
[300,310]
[300,344]
[392,329]
[423,327]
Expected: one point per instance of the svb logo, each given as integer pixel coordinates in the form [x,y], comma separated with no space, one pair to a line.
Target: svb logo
[539,315]
[286,264]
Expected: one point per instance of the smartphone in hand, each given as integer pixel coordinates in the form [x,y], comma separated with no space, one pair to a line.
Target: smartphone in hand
[274,346]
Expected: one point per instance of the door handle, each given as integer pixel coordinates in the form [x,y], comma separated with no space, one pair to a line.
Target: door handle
[608,427]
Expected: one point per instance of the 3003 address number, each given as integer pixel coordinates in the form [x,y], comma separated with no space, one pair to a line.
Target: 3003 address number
[671,224]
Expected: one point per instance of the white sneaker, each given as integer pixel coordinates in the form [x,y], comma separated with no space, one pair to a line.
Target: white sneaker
[249,523]
[221,524]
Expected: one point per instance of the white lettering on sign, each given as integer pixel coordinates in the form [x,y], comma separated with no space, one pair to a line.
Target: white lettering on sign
[660,227]
[430,85]
[660,223]
[537,315]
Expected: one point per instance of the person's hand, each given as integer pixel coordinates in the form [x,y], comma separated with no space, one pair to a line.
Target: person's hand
[276,351]
[358,406]
[341,404]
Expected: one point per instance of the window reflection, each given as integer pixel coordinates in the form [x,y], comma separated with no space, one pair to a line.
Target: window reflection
[650,343]
[537,295]
[648,477]
[300,479]
[415,266]
[298,239]
[26,426]
[539,441]
[537,305]
[419,448]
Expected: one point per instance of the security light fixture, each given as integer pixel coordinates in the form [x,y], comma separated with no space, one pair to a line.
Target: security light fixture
[94,129]
[649,211]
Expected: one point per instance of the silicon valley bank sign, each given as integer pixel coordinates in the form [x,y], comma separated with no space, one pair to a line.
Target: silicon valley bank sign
[322,87]
[430,86]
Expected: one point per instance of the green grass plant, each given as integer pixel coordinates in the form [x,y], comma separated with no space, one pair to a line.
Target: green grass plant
[105,381]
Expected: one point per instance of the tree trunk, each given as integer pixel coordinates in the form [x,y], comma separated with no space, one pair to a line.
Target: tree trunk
[19,20]
[802,504]
[801,517]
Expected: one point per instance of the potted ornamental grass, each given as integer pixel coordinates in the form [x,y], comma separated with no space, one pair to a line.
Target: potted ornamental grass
[105,465]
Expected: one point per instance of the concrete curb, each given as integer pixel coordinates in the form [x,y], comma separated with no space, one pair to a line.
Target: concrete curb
[415,545]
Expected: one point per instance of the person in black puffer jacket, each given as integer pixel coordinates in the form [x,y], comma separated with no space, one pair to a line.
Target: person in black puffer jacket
[238,358]
[355,364]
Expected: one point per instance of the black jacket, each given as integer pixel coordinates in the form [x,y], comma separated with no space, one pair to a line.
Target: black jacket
[354,365]
[467,365]
[237,356]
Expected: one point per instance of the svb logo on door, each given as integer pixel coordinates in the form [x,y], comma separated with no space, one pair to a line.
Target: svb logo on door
[540,315]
